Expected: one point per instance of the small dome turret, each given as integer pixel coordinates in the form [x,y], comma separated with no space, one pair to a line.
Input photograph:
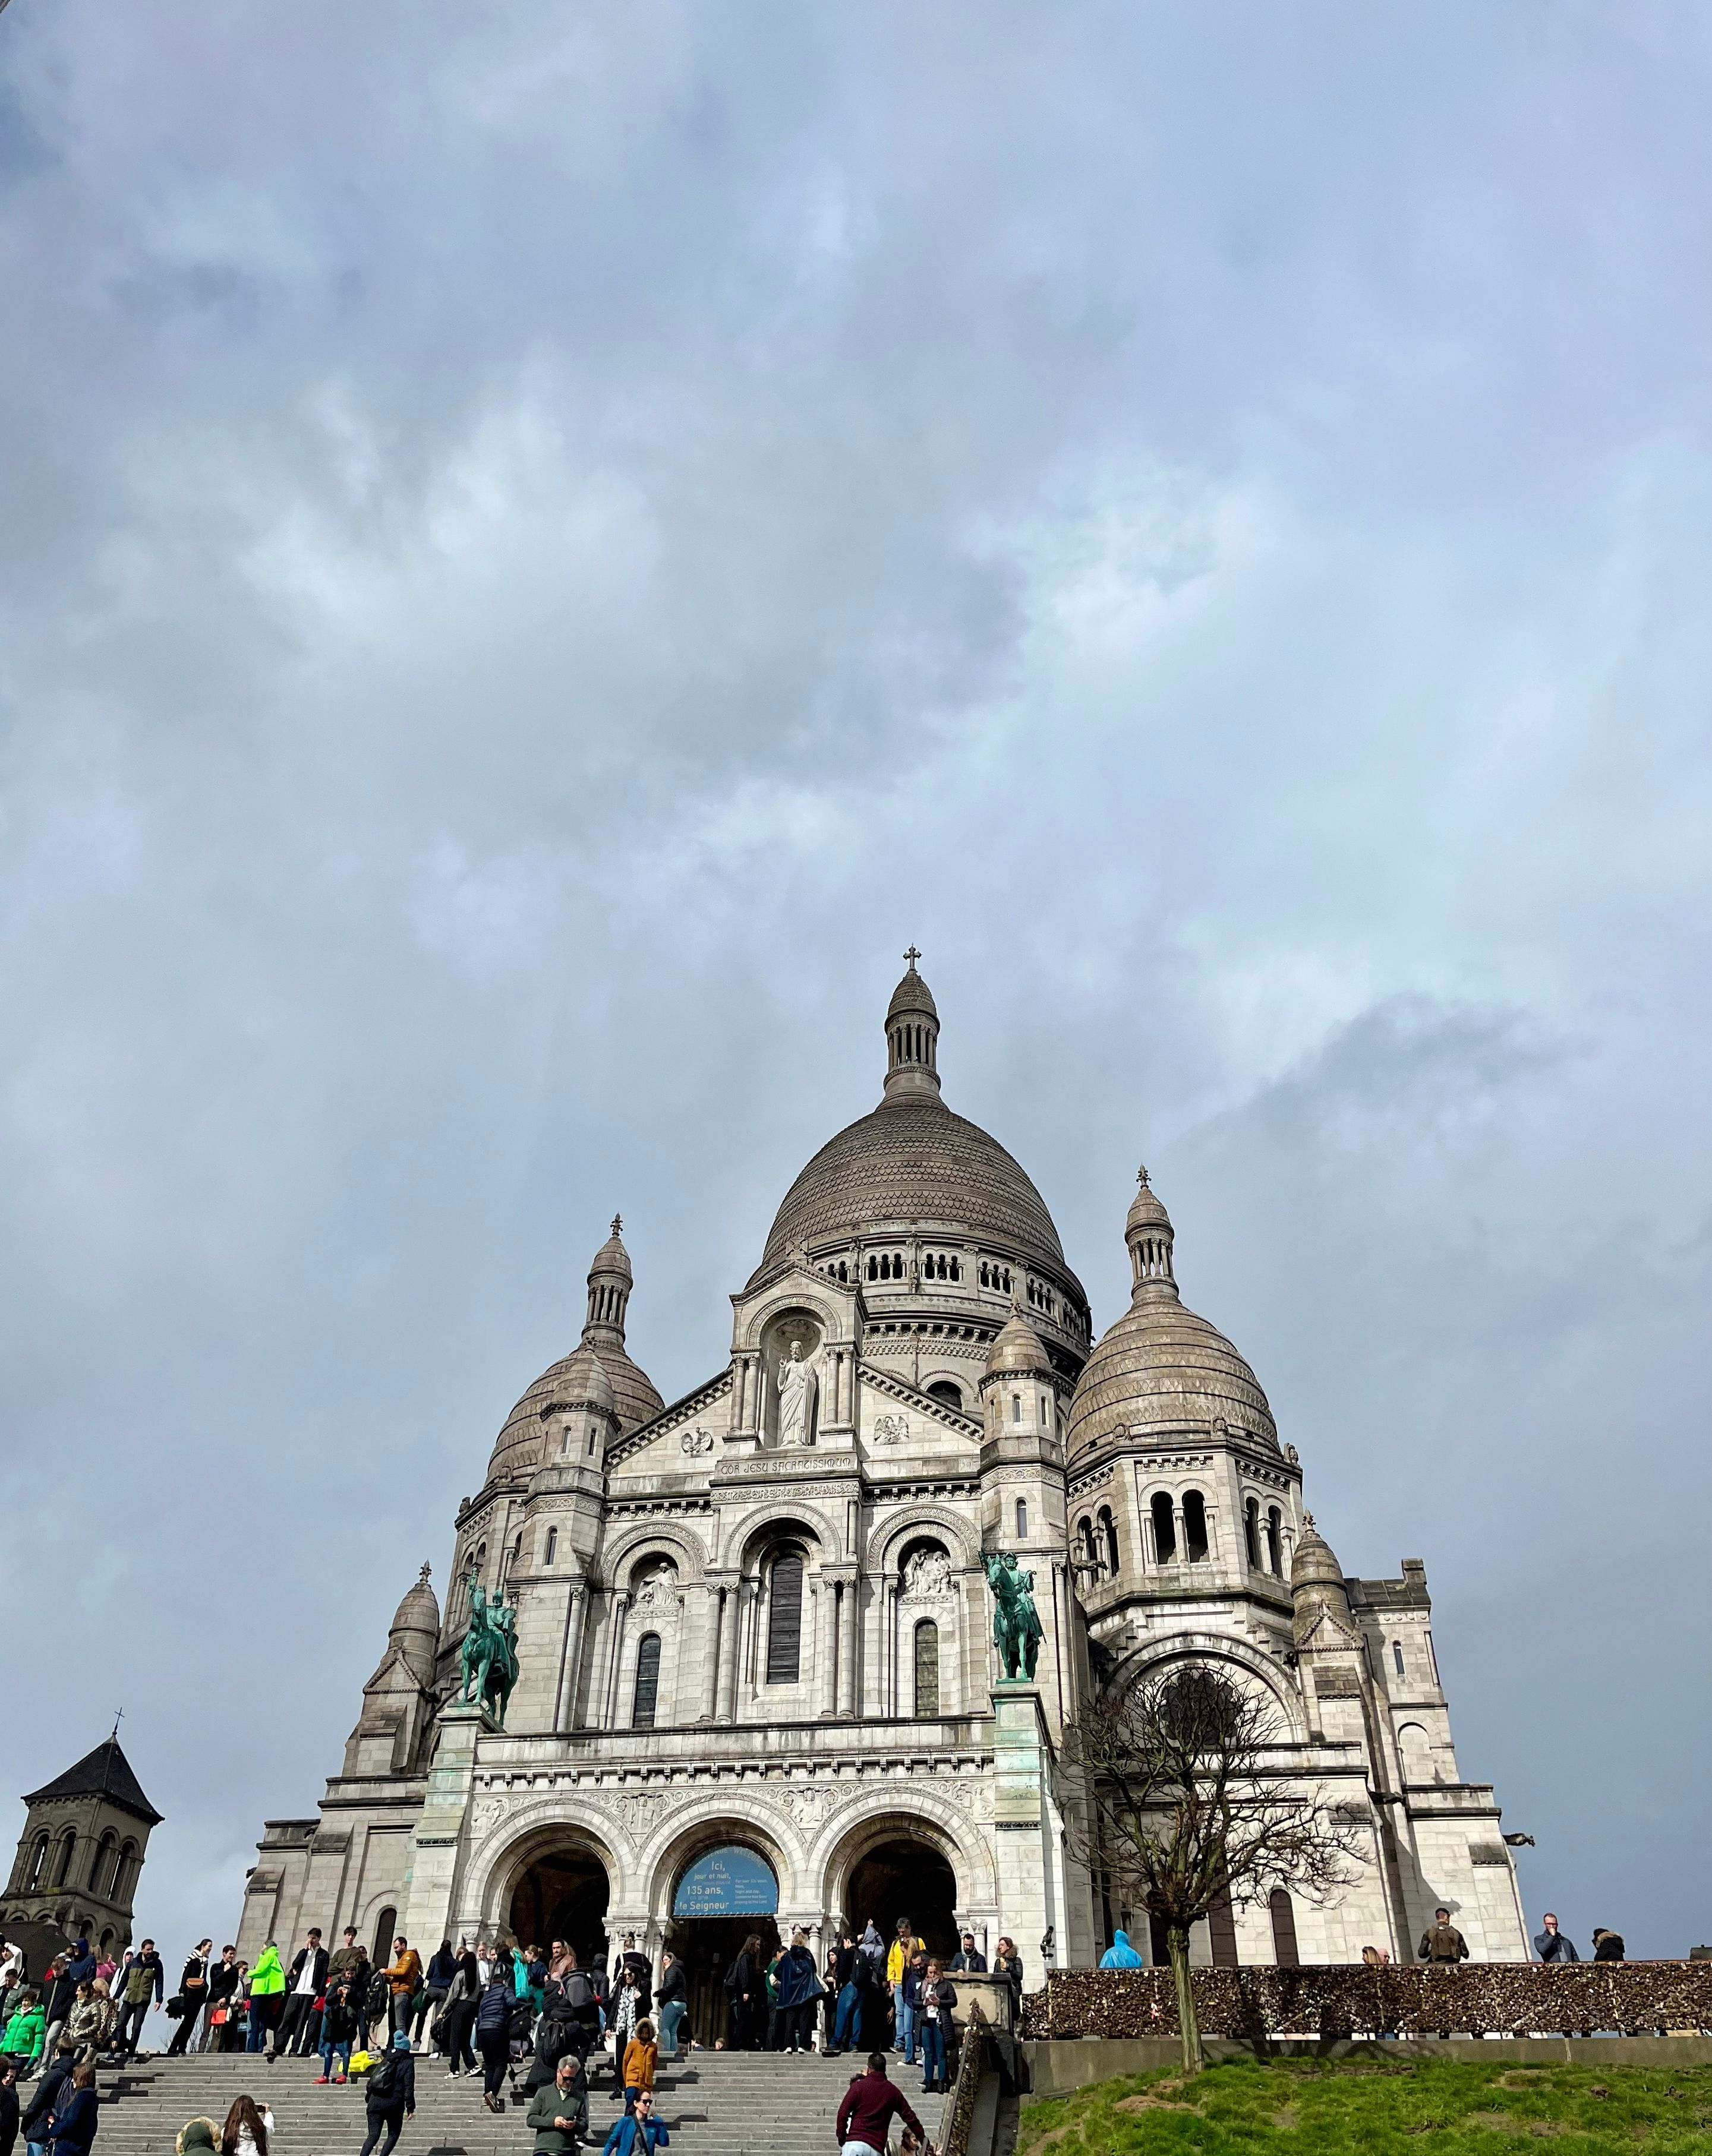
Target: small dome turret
[1317,1587]
[1017,1351]
[415,1626]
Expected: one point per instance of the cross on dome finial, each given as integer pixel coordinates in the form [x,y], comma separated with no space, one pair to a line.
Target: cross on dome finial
[1141,1175]
[422,1578]
[618,1222]
[911,955]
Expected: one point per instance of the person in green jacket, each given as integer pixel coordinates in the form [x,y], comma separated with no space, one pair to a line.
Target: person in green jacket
[24,2031]
[558,2117]
[267,1998]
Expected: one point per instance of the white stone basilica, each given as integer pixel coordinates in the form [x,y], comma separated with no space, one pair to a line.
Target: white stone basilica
[754,1634]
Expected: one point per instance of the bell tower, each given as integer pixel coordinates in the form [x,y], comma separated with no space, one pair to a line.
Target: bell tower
[81,1851]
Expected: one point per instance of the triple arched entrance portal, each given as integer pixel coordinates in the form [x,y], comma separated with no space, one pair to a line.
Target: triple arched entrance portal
[723,1888]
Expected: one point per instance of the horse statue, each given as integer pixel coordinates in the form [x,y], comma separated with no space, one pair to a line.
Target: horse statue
[488,1657]
[1017,1623]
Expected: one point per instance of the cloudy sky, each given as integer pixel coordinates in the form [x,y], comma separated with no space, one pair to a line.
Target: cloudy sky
[543,544]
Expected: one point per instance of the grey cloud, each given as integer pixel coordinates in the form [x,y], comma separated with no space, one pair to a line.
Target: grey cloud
[542,551]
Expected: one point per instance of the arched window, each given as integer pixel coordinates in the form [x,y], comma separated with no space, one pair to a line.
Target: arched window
[1022,1519]
[1195,1544]
[1109,1536]
[1283,1916]
[785,1618]
[124,1872]
[1085,1541]
[927,1669]
[1250,1532]
[68,1850]
[1397,1655]
[386,1930]
[101,1863]
[550,1551]
[1164,1528]
[943,1388]
[38,1865]
[647,1681]
[1275,1542]
[957,1268]
[1016,1407]
[873,1268]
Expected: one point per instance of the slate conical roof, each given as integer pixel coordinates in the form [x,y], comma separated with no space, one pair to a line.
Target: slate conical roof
[105,1772]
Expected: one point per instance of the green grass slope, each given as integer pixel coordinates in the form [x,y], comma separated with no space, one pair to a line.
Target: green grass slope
[1302,2107]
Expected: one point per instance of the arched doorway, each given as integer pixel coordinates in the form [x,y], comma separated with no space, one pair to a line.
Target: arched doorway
[721,1897]
[904,1876]
[563,1895]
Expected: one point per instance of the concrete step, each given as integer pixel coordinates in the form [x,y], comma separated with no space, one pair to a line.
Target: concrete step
[728,2104]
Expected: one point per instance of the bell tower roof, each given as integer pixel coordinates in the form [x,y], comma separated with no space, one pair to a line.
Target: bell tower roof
[105,1772]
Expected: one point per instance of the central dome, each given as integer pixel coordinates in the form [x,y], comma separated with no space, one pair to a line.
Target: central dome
[914,1161]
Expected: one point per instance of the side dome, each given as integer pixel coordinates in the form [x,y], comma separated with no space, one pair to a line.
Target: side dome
[415,1628]
[1160,1366]
[597,1374]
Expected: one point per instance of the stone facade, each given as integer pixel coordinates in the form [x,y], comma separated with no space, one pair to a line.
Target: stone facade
[758,1616]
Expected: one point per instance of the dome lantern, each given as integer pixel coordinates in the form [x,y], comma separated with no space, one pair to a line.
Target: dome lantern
[610,1281]
[1149,1234]
[912,1038]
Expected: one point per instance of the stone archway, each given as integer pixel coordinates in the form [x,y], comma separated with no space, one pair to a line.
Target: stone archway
[562,1894]
[905,1876]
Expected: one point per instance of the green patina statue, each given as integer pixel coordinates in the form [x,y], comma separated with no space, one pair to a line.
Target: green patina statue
[489,1655]
[1017,1623]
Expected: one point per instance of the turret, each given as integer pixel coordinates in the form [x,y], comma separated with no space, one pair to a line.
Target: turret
[912,1038]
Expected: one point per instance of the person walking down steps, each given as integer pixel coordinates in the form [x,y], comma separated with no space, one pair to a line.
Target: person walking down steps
[390,2097]
[639,2133]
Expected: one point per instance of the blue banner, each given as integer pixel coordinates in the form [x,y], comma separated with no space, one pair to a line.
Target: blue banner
[727,1882]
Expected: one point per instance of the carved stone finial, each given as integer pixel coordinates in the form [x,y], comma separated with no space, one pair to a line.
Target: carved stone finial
[1141,1175]
[422,1580]
[911,956]
[618,1223]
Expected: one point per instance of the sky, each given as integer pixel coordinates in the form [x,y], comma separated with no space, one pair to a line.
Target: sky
[545,544]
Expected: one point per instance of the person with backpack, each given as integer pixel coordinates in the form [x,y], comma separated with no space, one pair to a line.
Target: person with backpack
[389,2095]
[76,2114]
[639,2133]
[56,2076]
[493,2030]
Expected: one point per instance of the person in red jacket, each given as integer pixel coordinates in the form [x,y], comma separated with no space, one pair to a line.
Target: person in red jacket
[870,2104]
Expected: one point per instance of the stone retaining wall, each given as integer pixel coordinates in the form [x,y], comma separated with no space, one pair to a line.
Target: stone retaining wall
[1629,1999]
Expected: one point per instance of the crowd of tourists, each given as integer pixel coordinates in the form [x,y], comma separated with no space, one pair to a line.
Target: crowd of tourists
[539,2028]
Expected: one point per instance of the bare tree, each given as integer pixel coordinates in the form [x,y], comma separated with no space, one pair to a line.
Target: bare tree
[1188,1801]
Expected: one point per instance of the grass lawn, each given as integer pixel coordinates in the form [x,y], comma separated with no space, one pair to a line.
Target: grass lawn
[1381,2108]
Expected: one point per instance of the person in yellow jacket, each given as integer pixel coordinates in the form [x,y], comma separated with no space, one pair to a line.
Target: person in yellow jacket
[900,1954]
[267,1999]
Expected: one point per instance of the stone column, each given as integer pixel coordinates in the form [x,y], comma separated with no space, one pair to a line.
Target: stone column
[570,1663]
[712,1610]
[826,1647]
[1026,1901]
[847,1625]
[431,1865]
[730,1641]
[614,1671]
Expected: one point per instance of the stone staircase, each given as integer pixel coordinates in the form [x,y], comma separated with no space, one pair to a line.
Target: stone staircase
[716,2103]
